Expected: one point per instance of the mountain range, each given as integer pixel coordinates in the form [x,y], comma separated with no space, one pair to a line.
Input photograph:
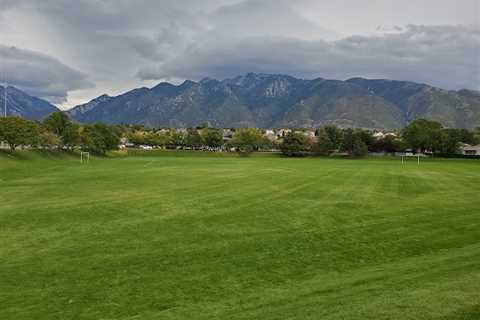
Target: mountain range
[268,101]
[273,101]
[23,105]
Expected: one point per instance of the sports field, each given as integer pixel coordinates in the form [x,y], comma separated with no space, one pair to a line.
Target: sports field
[200,236]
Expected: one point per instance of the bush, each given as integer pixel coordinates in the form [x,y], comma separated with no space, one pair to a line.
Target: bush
[360,148]
[248,140]
[295,144]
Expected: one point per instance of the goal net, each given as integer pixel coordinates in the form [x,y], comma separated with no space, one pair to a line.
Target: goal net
[413,157]
[84,157]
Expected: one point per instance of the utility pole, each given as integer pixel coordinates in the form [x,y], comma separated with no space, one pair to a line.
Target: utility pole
[5,99]
[5,95]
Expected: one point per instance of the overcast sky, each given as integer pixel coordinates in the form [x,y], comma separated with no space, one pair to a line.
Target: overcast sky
[72,51]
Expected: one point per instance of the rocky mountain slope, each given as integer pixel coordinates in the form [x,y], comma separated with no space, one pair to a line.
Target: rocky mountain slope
[264,100]
[23,105]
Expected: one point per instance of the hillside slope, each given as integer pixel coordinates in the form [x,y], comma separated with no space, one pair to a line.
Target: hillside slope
[23,105]
[264,100]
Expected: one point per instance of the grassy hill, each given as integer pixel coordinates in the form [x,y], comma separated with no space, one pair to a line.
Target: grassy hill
[200,236]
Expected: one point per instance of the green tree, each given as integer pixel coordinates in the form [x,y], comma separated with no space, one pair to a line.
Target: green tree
[360,148]
[157,139]
[212,137]
[49,140]
[99,138]
[366,136]
[136,137]
[449,141]
[329,139]
[466,136]
[422,134]
[348,140]
[71,136]
[193,139]
[18,131]
[388,144]
[295,144]
[177,138]
[476,136]
[60,124]
[356,141]
[248,140]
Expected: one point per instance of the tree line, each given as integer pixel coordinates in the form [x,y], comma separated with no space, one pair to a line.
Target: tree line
[245,140]
[420,136]
[57,131]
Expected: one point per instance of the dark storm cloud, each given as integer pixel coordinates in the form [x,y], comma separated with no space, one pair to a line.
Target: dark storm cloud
[39,74]
[122,44]
[446,56]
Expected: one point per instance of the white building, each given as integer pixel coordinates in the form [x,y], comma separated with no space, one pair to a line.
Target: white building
[309,134]
[270,135]
[378,135]
[469,150]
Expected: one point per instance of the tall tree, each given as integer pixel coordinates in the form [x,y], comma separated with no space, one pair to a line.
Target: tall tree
[295,144]
[448,142]
[329,139]
[212,137]
[193,139]
[18,131]
[348,140]
[48,139]
[360,148]
[99,138]
[57,122]
[356,141]
[177,138]
[422,134]
[388,144]
[60,124]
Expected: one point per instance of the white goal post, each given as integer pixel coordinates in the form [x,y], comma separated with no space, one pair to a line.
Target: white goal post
[405,157]
[84,157]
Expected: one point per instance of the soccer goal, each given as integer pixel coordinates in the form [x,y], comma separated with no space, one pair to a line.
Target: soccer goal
[405,157]
[84,157]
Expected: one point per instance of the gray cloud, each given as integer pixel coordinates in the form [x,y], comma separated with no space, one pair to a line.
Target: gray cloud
[122,44]
[446,56]
[39,74]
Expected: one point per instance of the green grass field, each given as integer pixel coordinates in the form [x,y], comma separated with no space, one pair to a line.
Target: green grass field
[199,236]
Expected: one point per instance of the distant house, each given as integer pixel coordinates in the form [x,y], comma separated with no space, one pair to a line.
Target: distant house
[309,134]
[270,135]
[283,132]
[228,134]
[163,131]
[470,150]
[380,135]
